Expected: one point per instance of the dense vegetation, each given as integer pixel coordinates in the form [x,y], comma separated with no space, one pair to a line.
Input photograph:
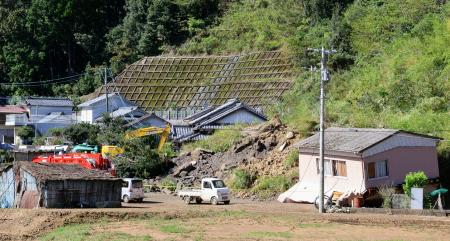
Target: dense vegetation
[42,41]
[391,70]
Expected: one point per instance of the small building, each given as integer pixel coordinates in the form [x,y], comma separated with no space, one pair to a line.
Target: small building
[8,132]
[205,122]
[43,106]
[91,111]
[359,159]
[49,185]
[43,114]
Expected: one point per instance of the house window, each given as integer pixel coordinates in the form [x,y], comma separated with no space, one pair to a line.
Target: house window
[333,168]
[339,168]
[377,169]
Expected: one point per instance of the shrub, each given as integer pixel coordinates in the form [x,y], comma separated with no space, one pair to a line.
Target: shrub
[169,184]
[220,141]
[242,179]
[386,192]
[26,133]
[39,141]
[139,160]
[291,159]
[274,184]
[414,179]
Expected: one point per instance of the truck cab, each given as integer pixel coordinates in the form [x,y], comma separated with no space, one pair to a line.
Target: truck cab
[132,190]
[215,190]
[212,190]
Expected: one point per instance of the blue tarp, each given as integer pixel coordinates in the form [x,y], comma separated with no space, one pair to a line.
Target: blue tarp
[5,146]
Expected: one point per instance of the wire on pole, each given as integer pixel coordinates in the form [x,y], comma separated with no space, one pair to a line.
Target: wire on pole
[324,77]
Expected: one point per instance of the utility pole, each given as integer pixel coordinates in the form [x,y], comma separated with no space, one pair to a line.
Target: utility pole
[324,76]
[106,90]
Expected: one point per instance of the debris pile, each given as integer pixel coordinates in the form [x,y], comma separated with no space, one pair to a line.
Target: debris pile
[261,151]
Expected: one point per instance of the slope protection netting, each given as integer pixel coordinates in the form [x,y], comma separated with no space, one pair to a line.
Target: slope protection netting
[159,83]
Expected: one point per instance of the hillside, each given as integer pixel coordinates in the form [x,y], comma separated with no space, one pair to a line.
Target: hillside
[391,69]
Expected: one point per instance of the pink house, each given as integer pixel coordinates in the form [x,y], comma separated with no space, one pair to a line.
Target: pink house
[357,159]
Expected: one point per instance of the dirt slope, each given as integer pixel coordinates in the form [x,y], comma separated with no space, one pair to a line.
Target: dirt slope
[262,151]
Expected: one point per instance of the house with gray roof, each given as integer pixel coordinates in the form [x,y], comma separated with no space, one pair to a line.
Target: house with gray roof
[205,122]
[42,113]
[361,159]
[92,111]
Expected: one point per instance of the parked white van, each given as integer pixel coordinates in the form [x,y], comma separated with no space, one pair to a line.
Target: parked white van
[132,190]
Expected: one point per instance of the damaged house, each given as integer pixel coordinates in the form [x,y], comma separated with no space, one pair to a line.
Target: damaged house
[47,185]
[203,123]
[361,159]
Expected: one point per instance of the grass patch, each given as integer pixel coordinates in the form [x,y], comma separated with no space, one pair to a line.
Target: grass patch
[291,159]
[242,179]
[220,141]
[79,232]
[268,186]
[173,228]
[169,184]
[262,235]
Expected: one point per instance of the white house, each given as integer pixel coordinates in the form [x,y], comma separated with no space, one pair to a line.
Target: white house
[92,111]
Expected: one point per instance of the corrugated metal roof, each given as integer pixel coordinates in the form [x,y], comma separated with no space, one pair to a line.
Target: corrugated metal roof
[103,97]
[352,140]
[51,171]
[49,101]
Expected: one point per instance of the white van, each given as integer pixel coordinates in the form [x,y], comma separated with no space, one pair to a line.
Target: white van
[132,190]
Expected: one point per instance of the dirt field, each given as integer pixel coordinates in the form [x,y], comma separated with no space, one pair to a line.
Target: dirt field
[163,217]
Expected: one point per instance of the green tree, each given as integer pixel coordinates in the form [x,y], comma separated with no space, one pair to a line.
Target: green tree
[112,131]
[26,133]
[82,133]
[139,160]
[150,27]
[43,39]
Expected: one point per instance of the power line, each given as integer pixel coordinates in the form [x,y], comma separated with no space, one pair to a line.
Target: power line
[47,82]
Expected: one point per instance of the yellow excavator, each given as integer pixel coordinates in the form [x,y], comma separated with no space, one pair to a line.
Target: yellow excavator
[112,151]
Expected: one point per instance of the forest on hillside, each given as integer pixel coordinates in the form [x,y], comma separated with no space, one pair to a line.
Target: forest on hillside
[391,68]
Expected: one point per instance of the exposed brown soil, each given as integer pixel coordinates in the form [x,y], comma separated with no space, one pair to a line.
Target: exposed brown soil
[262,152]
[299,220]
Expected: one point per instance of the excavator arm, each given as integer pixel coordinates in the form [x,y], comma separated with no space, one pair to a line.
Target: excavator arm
[147,131]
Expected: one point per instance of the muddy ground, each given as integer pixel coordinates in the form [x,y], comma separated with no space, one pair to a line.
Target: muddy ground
[164,217]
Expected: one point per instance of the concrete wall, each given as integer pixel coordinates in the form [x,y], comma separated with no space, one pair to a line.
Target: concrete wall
[353,181]
[403,160]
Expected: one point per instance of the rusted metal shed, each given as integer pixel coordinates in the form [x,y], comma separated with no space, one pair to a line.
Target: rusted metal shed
[51,185]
